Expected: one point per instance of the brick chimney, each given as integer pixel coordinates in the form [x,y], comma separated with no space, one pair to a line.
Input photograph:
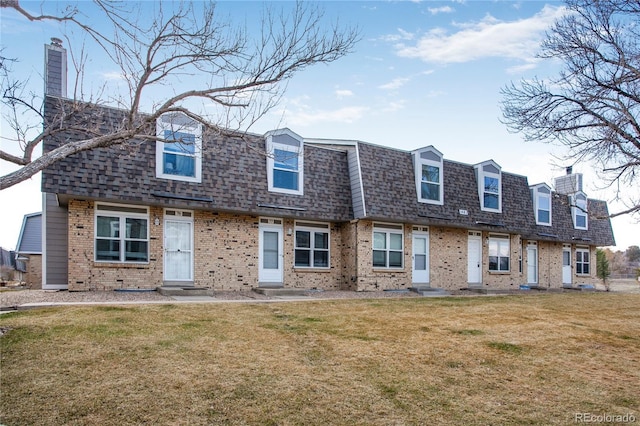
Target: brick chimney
[55,69]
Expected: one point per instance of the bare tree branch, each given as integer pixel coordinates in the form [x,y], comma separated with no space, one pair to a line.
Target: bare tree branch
[243,77]
[593,106]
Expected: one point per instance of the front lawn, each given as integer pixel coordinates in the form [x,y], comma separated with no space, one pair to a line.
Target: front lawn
[531,359]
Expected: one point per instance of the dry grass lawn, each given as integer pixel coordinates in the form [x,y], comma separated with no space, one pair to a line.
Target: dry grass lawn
[531,359]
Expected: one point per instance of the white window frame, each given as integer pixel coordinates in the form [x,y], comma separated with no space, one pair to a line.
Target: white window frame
[387,229]
[120,211]
[537,195]
[580,261]
[579,204]
[419,162]
[178,122]
[312,228]
[271,147]
[500,240]
[481,174]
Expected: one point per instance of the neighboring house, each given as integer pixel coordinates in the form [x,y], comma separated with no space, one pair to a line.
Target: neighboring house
[240,211]
[29,249]
[11,269]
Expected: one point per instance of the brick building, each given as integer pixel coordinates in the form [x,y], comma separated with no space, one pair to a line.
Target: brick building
[240,211]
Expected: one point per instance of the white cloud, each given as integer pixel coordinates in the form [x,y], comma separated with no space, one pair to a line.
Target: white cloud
[113,76]
[396,83]
[399,36]
[442,9]
[489,37]
[394,106]
[343,93]
[303,115]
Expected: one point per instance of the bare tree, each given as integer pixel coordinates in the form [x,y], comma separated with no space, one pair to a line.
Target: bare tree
[592,107]
[238,76]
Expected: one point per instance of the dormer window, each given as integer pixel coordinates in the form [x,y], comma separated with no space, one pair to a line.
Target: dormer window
[579,211]
[541,195]
[489,178]
[179,153]
[428,173]
[284,162]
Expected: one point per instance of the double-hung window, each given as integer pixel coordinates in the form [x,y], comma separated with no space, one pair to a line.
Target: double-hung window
[179,152]
[579,211]
[388,243]
[582,261]
[499,253]
[542,204]
[489,177]
[428,171]
[121,234]
[285,171]
[311,245]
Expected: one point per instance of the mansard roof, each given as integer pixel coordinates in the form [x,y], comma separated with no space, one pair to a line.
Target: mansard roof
[343,180]
[234,176]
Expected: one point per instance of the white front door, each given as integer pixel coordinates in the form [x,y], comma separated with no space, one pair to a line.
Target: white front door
[271,253]
[532,263]
[420,257]
[474,258]
[566,266]
[178,247]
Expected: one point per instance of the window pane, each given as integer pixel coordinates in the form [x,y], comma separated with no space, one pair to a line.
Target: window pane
[136,228]
[585,268]
[379,240]
[285,179]
[503,248]
[493,263]
[395,259]
[543,216]
[179,165]
[395,241]
[430,191]
[108,250]
[285,159]
[108,227]
[430,173]
[135,251]
[581,221]
[493,248]
[303,257]
[380,258]
[543,203]
[320,259]
[179,142]
[504,263]
[490,201]
[270,250]
[303,239]
[421,262]
[321,240]
[491,185]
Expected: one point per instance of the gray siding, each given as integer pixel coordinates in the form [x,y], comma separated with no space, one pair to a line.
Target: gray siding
[56,245]
[55,71]
[355,177]
[30,241]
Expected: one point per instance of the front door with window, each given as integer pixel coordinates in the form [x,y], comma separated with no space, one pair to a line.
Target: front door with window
[474,259]
[420,258]
[178,248]
[271,254]
[566,266]
[532,263]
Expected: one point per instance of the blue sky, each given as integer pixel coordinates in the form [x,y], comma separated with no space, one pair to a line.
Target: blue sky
[424,73]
